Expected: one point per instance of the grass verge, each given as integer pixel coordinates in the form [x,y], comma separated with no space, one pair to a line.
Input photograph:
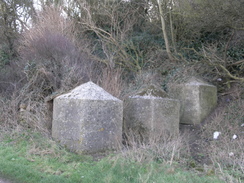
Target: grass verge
[29,157]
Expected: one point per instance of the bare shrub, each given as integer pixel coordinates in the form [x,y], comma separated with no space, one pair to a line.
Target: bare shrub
[49,46]
[111,24]
[208,19]
[8,112]
[223,65]
[52,64]
[138,81]
[11,78]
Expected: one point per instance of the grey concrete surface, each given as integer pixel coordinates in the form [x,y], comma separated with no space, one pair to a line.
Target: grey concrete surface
[88,119]
[149,115]
[198,99]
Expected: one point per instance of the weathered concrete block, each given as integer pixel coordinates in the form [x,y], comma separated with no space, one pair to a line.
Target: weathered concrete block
[88,119]
[198,99]
[148,115]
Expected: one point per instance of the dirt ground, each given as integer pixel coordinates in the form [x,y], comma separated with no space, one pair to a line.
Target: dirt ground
[4,181]
[198,145]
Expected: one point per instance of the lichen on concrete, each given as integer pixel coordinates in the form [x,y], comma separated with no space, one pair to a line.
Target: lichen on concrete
[88,119]
[198,99]
[148,114]
[90,91]
[152,91]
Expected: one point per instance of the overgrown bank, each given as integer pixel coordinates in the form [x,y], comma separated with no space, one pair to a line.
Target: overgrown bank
[120,46]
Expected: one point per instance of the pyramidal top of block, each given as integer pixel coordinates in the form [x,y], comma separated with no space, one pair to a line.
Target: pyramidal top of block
[88,91]
[196,81]
[152,92]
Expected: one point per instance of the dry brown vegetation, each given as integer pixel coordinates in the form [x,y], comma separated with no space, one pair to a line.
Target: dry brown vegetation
[227,151]
[53,63]
[122,51]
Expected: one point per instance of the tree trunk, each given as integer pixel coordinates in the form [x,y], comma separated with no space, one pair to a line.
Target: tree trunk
[164,30]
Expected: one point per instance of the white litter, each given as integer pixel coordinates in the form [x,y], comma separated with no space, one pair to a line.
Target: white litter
[231,154]
[242,125]
[234,136]
[216,135]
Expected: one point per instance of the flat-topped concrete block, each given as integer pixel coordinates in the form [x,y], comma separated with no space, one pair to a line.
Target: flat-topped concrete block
[148,115]
[88,119]
[198,99]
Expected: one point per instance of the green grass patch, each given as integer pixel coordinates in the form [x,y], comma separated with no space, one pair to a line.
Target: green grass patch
[32,158]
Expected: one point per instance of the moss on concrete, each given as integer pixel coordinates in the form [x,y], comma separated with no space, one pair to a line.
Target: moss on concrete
[154,91]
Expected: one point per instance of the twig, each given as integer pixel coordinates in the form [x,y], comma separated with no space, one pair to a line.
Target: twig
[236,63]
[227,46]
[229,74]
[172,156]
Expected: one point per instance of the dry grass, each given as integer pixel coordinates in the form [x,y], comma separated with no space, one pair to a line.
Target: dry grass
[53,62]
[163,149]
[111,80]
[226,152]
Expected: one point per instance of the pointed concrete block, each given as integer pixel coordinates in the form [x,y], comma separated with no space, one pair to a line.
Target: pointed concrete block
[149,115]
[88,119]
[198,99]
